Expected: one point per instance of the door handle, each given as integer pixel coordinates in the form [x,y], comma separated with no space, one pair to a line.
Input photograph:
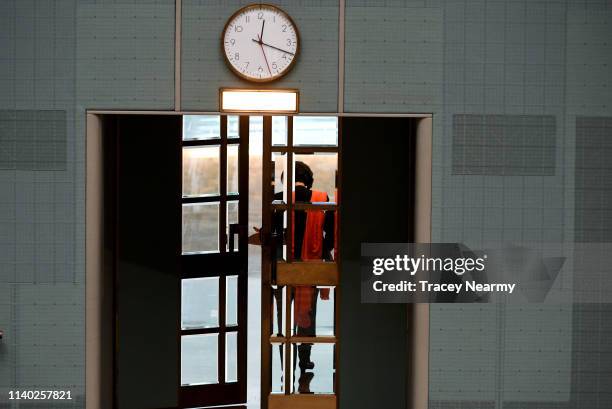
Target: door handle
[234,229]
[274,257]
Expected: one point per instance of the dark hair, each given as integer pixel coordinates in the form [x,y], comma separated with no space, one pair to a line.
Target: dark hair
[303,174]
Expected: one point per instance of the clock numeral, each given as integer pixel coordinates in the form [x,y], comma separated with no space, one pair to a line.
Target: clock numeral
[246,65]
[259,15]
[284,28]
[274,65]
[238,29]
[232,41]
[289,42]
[247,19]
[237,56]
[260,69]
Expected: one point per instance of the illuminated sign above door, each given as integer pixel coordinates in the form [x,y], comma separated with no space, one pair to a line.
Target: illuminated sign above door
[259,101]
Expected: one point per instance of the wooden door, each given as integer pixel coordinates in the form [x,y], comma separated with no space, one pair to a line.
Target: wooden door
[214,260]
[299,314]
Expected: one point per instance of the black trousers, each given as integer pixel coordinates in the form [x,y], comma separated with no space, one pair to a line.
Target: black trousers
[304,349]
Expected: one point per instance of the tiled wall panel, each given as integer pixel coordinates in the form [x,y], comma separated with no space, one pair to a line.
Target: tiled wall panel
[60,57]
[125,55]
[510,58]
[33,140]
[504,145]
[393,57]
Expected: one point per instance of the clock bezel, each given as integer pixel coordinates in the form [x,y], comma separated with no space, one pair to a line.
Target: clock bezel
[260,6]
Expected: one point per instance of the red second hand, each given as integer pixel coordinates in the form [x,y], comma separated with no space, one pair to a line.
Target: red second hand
[264,54]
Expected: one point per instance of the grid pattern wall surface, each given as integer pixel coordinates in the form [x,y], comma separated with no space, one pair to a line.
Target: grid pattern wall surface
[492,59]
[38,227]
[203,66]
[589,56]
[60,57]
[520,145]
[33,140]
[594,179]
[593,215]
[393,57]
[125,54]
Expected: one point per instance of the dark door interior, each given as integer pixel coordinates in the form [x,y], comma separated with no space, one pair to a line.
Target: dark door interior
[174,237]
[378,169]
[143,213]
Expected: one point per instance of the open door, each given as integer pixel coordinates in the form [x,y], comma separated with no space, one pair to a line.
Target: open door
[300,273]
[214,260]
[175,207]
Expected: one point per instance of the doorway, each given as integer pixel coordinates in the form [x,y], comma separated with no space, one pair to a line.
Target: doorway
[273,349]
[175,210]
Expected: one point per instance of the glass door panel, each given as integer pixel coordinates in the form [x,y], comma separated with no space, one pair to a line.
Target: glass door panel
[232,219]
[201,170]
[278,370]
[299,261]
[231,357]
[200,303]
[315,131]
[324,166]
[201,227]
[319,379]
[321,315]
[199,359]
[279,130]
[231,301]
[232,169]
[233,127]
[201,127]
[214,261]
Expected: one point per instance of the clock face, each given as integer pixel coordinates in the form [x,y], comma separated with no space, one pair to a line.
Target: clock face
[260,42]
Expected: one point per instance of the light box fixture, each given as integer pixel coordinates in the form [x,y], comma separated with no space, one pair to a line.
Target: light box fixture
[259,101]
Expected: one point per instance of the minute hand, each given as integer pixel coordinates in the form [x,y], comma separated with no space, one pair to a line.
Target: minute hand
[271,46]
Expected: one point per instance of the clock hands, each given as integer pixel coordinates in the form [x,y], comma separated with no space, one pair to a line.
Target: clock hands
[261,44]
[271,46]
[262,27]
[264,53]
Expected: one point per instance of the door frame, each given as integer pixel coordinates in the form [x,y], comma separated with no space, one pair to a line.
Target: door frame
[98,301]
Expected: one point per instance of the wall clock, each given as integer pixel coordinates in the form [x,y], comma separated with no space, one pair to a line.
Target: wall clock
[260,43]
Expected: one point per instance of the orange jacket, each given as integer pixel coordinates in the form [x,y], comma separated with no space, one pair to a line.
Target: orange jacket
[312,249]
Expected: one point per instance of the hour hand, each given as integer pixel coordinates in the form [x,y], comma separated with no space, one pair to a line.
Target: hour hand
[263,23]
